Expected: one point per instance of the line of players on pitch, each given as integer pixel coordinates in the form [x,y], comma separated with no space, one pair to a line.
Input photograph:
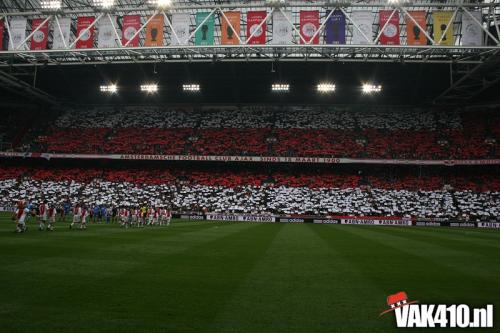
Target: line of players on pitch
[127,217]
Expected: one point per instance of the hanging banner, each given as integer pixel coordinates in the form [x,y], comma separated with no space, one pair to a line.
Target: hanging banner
[228,36]
[441,20]
[205,34]
[130,25]
[390,35]
[61,41]
[154,31]
[254,20]
[107,36]
[335,28]
[86,35]
[180,23]
[415,36]
[472,34]
[2,29]
[40,37]
[17,33]
[282,29]
[309,24]
[364,20]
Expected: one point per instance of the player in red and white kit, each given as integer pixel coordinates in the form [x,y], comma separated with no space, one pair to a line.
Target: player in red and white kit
[43,213]
[20,216]
[52,217]
[157,216]
[168,216]
[150,214]
[125,216]
[77,214]
[84,217]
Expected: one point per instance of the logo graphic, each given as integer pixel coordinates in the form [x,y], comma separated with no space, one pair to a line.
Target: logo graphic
[409,314]
[396,301]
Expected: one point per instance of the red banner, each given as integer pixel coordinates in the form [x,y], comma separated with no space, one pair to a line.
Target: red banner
[309,25]
[2,28]
[40,37]
[86,40]
[254,27]
[390,35]
[131,24]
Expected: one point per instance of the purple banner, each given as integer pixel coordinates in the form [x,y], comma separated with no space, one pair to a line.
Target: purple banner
[335,28]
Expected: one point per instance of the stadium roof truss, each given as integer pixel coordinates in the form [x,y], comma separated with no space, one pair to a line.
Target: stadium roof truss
[299,50]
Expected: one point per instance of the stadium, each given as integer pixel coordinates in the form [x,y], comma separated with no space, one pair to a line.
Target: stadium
[246,166]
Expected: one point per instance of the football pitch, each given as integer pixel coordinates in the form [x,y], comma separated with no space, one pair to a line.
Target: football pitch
[237,277]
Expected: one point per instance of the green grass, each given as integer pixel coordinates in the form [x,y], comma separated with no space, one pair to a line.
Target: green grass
[236,277]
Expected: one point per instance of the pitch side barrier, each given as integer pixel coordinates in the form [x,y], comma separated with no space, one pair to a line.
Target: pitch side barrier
[346,220]
[248,159]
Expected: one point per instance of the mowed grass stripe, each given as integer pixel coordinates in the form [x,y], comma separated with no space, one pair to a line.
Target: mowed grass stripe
[462,237]
[301,284]
[475,261]
[430,274]
[171,292]
[395,264]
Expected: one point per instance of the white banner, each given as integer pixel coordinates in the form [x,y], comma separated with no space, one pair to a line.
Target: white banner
[261,159]
[494,225]
[240,217]
[401,222]
[180,23]
[61,42]
[17,28]
[363,19]
[282,29]
[106,35]
[472,34]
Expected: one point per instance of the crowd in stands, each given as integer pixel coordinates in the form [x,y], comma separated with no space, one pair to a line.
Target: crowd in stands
[253,191]
[276,131]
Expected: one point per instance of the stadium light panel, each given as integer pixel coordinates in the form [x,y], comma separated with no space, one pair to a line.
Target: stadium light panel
[325,87]
[369,88]
[397,2]
[280,87]
[103,3]
[50,4]
[192,87]
[276,3]
[160,3]
[149,88]
[109,88]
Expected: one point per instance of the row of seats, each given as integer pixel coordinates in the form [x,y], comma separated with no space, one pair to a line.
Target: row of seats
[256,178]
[368,143]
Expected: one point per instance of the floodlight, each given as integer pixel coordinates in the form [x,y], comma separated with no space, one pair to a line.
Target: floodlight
[280,87]
[369,88]
[276,3]
[103,3]
[325,87]
[160,3]
[149,88]
[192,87]
[50,4]
[397,2]
[109,88]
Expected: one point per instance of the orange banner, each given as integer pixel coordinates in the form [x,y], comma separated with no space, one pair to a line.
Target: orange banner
[228,36]
[414,35]
[154,31]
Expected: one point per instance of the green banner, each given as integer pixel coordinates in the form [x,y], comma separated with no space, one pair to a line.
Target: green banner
[205,33]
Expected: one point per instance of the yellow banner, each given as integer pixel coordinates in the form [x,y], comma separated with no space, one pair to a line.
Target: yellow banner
[441,22]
